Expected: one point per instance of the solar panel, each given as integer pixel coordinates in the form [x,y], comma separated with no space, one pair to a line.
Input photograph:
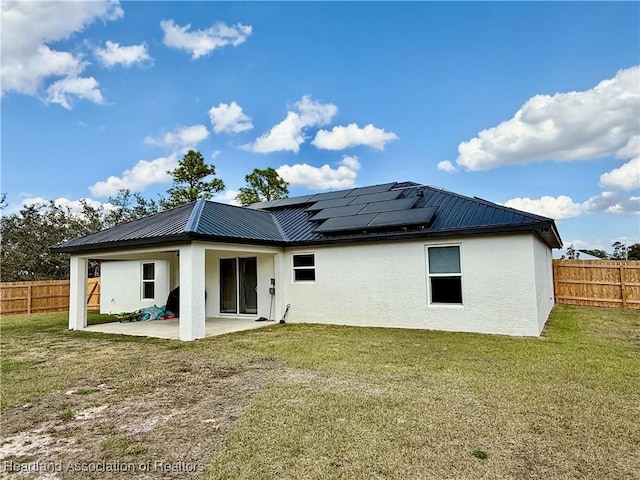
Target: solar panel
[331,195]
[344,224]
[293,201]
[337,212]
[376,197]
[373,189]
[266,204]
[390,205]
[336,202]
[414,216]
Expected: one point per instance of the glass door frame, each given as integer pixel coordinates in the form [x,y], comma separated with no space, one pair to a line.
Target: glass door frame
[239,288]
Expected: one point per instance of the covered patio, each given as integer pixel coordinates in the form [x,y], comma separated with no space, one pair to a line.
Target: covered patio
[236,277]
[226,260]
[170,329]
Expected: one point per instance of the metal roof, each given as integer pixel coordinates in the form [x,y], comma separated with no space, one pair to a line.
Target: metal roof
[391,211]
[229,221]
[168,224]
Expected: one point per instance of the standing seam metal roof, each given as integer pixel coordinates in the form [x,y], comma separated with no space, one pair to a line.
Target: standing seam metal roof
[289,221]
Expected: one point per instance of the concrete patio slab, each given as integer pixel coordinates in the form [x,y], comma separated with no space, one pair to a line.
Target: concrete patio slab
[170,328]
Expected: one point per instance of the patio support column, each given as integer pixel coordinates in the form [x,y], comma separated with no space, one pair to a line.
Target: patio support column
[78,293]
[192,285]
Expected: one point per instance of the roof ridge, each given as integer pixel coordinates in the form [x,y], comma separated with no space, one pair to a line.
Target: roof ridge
[279,227]
[194,218]
[245,208]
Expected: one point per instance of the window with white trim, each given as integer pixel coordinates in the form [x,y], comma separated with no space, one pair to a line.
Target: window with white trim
[304,267]
[148,281]
[445,275]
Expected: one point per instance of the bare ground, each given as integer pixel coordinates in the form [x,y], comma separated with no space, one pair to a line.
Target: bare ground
[89,432]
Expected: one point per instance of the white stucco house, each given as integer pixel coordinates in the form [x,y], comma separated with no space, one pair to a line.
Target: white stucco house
[394,255]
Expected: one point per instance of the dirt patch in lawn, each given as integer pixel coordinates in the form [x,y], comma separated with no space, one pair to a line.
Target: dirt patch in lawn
[90,431]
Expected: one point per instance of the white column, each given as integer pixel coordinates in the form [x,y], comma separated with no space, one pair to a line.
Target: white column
[192,276]
[78,293]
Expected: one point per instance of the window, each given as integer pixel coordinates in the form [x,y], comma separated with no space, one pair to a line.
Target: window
[445,274]
[148,281]
[304,268]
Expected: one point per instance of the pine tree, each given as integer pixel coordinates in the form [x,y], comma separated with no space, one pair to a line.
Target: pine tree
[190,181]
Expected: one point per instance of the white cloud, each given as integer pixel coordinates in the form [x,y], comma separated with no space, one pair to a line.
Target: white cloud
[26,75]
[28,62]
[324,177]
[563,207]
[612,202]
[562,127]
[181,138]
[228,196]
[229,118]
[114,54]
[202,42]
[144,173]
[147,172]
[558,208]
[626,177]
[63,91]
[447,166]
[341,137]
[631,149]
[289,133]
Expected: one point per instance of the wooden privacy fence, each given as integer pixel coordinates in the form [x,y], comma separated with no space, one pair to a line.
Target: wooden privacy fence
[43,296]
[600,283]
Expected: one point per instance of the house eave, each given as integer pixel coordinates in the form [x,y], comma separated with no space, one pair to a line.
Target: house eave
[546,232]
[534,228]
[160,241]
[119,244]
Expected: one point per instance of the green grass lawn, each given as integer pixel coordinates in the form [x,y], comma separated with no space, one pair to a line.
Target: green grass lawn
[339,402]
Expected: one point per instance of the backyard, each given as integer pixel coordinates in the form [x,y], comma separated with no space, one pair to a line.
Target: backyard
[312,401]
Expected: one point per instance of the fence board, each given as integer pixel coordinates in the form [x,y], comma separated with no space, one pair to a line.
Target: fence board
[602,283]
[43,296]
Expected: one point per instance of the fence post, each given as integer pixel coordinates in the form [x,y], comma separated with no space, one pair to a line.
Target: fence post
[28,299]
[554,266]
[622,292]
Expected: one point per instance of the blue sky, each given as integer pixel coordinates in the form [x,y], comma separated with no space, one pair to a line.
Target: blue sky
[532,105]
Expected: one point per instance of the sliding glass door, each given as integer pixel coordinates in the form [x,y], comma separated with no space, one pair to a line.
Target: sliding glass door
[248,285]
[228,283]
[238,285]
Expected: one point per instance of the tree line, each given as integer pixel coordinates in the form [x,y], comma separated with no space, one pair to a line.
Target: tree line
[28,234]
[620,251]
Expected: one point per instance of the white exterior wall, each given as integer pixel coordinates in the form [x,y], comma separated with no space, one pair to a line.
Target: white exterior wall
[385,284]
[121,285]
[543,259]
[507,284]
